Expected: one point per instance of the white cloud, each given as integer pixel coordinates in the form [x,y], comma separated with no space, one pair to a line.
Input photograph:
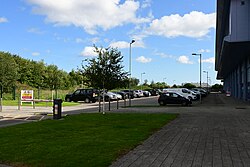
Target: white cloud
[79,40]
[195,25]
[124,44]
[209,60]
[184,60]
[120,44]
[89,14]
[143,59]
[35,54]
[3,20]
[89,51]
[164,55]
[146,3]
[95,40]
[204,51]
[35,31]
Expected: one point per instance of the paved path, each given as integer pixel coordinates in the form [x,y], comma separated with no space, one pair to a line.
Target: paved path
[214,133]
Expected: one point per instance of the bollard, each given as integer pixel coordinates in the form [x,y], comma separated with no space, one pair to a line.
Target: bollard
[57,108]
[117,103]
[1,104]
[34,104]
[19,104]
[109,104]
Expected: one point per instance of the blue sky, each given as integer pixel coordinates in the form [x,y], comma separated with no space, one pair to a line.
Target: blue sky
[167,32]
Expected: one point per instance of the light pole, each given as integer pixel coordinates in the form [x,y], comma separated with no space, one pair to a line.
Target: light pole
[198,54]
[164,82]
[207,79]
[141,79]
[130,71]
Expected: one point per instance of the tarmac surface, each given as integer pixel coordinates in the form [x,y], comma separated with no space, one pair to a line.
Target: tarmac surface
[214,133]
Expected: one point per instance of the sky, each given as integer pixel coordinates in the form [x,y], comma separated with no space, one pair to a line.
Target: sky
[166,33]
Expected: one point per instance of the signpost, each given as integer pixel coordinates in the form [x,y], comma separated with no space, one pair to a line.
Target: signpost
[27,96]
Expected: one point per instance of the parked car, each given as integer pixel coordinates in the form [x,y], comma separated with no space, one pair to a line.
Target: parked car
[130,94]
[183,91]
[146,93]
[153,92]
[110,96]
[123,94]
[201,91]
[86,95]
[173,98]
[138,93]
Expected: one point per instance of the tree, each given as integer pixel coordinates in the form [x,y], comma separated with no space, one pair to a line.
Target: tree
[189,86]
[217,87]
[106,70]
[8,72]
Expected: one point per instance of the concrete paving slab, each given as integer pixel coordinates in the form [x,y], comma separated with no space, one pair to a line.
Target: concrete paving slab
[214,133]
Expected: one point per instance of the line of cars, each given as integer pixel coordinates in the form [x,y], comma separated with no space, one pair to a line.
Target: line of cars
[93,95]
[182,96]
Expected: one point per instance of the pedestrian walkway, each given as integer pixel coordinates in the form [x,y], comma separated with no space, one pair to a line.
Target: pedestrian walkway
[214,133]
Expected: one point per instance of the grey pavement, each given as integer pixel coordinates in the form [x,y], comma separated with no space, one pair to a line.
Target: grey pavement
[214,133]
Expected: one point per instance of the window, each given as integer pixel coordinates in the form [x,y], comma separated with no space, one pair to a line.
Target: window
[77,92]
[184,91]
[175,95]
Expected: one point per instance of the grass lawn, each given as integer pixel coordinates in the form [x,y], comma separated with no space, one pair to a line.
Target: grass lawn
[79,140]
[38,104]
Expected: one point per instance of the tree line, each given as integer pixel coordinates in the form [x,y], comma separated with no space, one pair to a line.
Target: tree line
[104,71]
[15,70]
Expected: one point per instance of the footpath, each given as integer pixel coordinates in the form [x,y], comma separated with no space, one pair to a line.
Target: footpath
[214,133]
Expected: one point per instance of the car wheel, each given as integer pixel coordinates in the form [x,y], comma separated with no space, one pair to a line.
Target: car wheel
[68,100]
[162,103]
[87,100]
[190,98]
[184,103]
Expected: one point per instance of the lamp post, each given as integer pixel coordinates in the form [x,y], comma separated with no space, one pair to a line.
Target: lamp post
[198,54]
[130,71]
[207,79]
[164,82]
[141,79]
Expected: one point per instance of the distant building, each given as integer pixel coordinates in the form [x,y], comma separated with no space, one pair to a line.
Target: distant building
[232,60]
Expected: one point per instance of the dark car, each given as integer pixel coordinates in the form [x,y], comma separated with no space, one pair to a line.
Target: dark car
[129,93]
[153,92]
[173,98]
[123,94]
[86,95]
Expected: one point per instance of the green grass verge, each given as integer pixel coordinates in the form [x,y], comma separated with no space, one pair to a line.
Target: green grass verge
[80,140]
[38,104]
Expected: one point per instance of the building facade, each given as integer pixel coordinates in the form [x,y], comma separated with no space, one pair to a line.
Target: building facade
[232,60]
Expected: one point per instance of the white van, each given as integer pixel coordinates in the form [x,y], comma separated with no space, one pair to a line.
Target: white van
[183,91]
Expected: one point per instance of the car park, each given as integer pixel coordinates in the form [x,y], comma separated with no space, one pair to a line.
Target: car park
[110,96]
[86,95]
[130,93]
[183,91]
[123,94]
[138,93]
[146,93]
[201,91]
[173,98]
[153,92]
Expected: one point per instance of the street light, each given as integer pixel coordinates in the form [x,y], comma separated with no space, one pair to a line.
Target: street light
[164,82]
[141,79]
[198,54]
[130,71]
[207,79]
